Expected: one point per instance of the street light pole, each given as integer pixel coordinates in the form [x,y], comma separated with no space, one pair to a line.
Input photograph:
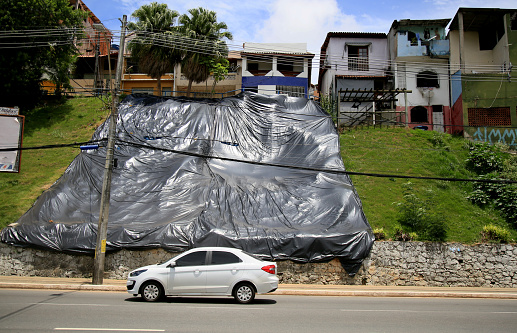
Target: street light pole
[102,231]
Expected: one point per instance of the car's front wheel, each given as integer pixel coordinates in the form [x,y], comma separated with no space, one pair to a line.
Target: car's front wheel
[152,291]
[244,293]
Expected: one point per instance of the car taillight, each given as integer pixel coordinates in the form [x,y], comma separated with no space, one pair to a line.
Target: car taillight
[271,269]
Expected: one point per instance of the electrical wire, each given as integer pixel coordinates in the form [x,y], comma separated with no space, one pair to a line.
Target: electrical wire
[188,44]
[293,167]
[65,145]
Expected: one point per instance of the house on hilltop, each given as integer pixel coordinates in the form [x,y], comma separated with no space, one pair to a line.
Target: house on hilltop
[483,50]
[97,57]
[354,73]
[276,68]
[419,56]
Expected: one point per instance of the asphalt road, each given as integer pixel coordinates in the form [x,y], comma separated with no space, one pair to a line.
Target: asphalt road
[80,311]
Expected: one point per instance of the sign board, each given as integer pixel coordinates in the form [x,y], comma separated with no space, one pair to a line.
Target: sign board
[11,134]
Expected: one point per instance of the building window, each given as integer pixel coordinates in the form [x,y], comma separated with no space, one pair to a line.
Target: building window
[291,91]
[149,91]
[253,66]
[438,108]
[234,67]
[490,117]
[131,67]
[413,38]
[357,58]
[289,66]
[419,114]
[259,66]
[427,79]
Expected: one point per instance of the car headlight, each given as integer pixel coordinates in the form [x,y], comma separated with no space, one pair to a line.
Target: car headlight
[136,273]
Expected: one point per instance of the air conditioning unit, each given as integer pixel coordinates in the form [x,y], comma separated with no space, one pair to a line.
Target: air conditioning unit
[427,92]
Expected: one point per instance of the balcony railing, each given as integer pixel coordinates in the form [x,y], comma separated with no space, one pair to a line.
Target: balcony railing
[358,64]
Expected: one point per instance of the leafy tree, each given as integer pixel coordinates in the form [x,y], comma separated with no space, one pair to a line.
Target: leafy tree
[34,42]
[206,34]
[154,27]
[219,69]
[329,105]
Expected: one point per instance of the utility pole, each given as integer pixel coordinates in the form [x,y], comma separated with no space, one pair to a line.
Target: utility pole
[102,231]
[96,70]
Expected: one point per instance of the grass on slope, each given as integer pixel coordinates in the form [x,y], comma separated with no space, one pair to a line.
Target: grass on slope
[75,120]
[406,152]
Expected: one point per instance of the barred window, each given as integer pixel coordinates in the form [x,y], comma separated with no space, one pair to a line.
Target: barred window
[291,91]
[148,91]
[490,117]
[427,79]
[358,58]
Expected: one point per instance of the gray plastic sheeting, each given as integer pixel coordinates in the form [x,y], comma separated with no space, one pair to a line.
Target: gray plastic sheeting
[196,173]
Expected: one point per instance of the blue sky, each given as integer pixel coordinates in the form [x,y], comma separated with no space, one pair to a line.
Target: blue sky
[299,21]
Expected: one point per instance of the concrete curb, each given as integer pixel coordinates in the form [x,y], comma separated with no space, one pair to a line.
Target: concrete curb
[52,286]
[364,293]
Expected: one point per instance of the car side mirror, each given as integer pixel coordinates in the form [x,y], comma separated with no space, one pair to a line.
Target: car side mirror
[171,265]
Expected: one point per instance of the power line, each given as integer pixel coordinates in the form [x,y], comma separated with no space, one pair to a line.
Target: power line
[202,46]
[64,145]
[293,167]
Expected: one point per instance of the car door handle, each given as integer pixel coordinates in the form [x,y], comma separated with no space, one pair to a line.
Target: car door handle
[234,270]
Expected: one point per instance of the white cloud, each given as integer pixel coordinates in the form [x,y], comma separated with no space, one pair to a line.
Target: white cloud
[448,8]
[304,21]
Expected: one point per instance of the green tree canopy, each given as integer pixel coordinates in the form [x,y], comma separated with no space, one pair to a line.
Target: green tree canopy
[35,40]
[154,25]
[206,36]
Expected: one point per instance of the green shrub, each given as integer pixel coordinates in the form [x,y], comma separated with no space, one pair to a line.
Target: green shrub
[439,140]
[492,233]
[491,163]
[506,202]
[379,233]
[403,236]
[416,215]
[485,158]
[435,229]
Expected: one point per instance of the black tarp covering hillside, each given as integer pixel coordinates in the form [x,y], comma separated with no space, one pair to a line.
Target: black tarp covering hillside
[184,179]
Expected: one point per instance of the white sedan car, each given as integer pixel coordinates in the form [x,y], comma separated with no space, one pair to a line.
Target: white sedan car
[208,271]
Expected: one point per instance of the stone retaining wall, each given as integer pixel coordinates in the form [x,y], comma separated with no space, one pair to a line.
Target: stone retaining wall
[390,264]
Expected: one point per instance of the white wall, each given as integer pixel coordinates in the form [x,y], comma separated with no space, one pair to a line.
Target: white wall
[475,58]
[337,55]
[337,59]
[407,71]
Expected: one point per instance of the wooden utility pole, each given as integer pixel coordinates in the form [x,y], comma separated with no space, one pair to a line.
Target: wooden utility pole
[102,231]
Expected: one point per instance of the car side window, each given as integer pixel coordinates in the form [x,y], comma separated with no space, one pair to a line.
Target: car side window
[192,259]
[221,258]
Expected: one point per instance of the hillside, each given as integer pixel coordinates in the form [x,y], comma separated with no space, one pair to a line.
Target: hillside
[371,150]
[53,124]
[417,153]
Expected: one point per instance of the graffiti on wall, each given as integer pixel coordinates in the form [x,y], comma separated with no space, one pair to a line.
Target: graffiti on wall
[507,136]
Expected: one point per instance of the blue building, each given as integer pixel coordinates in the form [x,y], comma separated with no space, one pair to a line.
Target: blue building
[277,69]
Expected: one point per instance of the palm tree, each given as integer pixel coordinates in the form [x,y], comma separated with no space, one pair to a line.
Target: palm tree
[206,36]
[153,22]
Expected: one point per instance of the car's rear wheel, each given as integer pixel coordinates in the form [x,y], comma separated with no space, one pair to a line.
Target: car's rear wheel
[152,291]
[244,293]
